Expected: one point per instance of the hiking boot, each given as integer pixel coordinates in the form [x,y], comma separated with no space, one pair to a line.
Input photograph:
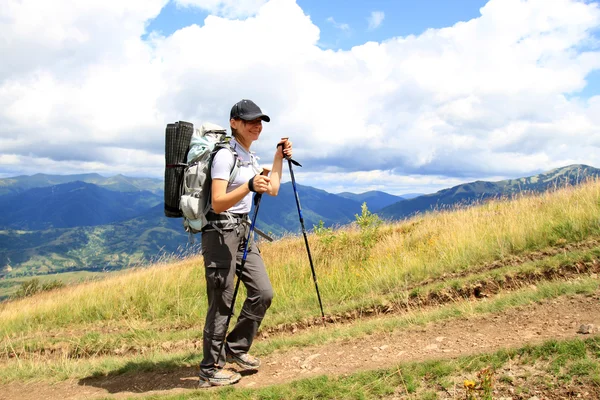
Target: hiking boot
[220,377]
[244,361]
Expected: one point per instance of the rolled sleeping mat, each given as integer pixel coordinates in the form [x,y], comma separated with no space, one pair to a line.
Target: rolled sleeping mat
[177,143]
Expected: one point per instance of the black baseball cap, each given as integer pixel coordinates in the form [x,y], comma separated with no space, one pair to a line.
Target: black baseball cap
[248,111]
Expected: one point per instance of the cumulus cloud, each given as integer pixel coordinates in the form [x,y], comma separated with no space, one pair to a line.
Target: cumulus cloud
[375,19]
[493,97]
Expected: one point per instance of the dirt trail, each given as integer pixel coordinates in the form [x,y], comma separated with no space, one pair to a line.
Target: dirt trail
[554,319]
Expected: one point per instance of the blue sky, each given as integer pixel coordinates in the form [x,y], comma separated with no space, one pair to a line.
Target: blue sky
[402,18]
[593,85]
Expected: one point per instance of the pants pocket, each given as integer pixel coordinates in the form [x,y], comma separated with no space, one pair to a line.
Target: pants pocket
[216,278]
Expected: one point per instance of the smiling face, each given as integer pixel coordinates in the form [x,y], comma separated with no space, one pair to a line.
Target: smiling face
[246,132]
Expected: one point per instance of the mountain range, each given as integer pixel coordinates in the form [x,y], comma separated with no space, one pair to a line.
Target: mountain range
[118,182]
[65,223]
[375,200]
[72,204]
[469,193]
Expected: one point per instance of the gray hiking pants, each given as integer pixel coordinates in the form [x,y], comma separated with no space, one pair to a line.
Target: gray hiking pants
[222,253]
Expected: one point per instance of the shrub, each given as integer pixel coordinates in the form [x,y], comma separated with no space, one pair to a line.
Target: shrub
[369,226]
[31,287]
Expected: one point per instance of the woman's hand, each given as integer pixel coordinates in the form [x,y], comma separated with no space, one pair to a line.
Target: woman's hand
[284,148]
[260,183]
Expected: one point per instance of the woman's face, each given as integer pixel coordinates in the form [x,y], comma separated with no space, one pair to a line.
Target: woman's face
[249,130]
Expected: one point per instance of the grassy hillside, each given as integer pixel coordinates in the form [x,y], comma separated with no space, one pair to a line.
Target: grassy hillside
[356,268]
[10,286]
[510,253]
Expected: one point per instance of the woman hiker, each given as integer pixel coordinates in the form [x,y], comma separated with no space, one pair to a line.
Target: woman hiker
[223,244]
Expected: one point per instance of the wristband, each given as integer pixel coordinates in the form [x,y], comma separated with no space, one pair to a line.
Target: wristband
[251,184]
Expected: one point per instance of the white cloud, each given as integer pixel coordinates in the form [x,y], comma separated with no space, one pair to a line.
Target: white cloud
[341,26]
[384,181]
[495,96]
[375,19]
[64,36]
[226,8]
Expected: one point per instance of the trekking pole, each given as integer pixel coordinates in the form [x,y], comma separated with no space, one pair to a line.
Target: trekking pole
[257,198]
[312,268]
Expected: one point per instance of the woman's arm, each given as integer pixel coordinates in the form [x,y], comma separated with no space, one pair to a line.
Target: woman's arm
[223,201]
[286,150]
[221,169]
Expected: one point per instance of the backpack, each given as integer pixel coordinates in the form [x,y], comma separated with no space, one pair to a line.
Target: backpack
[196,184]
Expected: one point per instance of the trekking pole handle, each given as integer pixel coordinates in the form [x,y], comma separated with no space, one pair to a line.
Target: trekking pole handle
[287,157]
[265,172]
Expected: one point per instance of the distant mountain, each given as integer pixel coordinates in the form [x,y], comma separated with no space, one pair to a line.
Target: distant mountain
[280,214]
[375,200]
[470,193]
[119,182]
[407,196]
[71,205]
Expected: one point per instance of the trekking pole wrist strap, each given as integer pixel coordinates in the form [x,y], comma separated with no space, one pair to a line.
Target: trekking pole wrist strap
[282,153]
[251,184]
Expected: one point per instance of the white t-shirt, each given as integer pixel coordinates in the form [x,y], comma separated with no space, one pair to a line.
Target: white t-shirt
[221,169]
